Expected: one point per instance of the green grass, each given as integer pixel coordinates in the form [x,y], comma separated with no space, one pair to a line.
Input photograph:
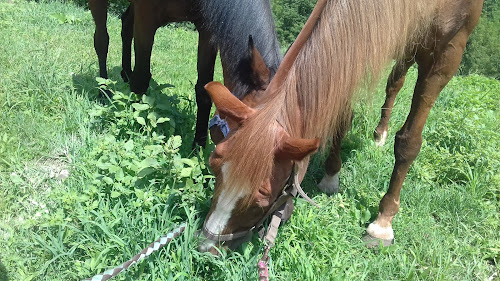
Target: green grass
[132,178]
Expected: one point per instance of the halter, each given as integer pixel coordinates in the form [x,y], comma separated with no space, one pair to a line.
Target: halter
[219,122]
[290,190]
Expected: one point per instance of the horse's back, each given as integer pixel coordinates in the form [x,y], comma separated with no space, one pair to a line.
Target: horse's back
[167,11]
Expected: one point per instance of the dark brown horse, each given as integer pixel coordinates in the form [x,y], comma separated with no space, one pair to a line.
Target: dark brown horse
[308,101]
[223,25]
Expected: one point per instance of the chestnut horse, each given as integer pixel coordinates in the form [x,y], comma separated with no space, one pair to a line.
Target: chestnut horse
[223,25]
[342,45]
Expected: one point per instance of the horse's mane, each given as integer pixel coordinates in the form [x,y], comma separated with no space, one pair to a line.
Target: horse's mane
[231,22]
[352,42]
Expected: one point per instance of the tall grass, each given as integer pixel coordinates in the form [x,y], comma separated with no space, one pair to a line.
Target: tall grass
[86,185]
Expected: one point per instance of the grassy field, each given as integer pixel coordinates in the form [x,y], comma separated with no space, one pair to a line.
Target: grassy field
[84,186]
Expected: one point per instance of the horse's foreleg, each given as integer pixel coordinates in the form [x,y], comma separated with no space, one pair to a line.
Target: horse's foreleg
[394,85]
[205,66]
[435,71]
[330,182]
[99,10]
[144,33]
[127,36]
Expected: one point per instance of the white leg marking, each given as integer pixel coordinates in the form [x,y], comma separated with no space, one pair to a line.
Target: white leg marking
[377,231]
[329,184]
[383,138]
[222,213]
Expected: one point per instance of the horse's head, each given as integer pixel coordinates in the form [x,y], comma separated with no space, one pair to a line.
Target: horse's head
[256,75]
[252,165]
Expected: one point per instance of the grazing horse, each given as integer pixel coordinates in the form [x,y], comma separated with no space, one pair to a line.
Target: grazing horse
[223,25]
[343,44]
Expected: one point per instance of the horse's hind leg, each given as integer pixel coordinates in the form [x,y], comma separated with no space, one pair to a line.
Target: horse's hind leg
[206,61]
[394,84]
[127,36]
[99,10]
[434,72]
[330,182]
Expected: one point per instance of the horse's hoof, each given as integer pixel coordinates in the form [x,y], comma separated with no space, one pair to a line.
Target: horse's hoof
[380,138]
[373,242]
[330,184]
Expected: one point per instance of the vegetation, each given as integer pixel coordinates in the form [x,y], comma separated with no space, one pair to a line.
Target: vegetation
[290,16]
[85,184]
[481,55]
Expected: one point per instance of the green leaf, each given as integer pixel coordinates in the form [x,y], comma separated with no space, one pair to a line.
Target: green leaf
[149,99]
[60,17]
[189,162]
[154,149]
[102,81]
[153,116]
[139,193]
[148,162]
[140,106]
[119,174]
[113,168]
[16,179]
[162,119]
[108,180]
[129,145]
[115,194]
[366,216]
[141,121]
[186,172]
[146,171]
[174,142]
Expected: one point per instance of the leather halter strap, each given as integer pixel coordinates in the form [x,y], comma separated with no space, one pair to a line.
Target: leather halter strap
[291,189]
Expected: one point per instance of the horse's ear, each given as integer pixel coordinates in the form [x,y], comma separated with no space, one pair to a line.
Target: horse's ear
[296,148]
[227,104]
[261,75]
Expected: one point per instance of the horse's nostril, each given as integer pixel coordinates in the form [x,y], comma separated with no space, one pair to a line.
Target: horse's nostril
[206,245]
[209,246]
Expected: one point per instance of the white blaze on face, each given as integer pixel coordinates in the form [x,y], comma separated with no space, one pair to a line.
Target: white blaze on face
[223,209]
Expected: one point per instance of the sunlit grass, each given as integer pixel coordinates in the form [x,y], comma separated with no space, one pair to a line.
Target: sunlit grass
[130,183]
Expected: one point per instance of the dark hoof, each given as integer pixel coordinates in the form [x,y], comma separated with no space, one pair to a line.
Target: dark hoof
[373,242]
[139,83]
[199,143]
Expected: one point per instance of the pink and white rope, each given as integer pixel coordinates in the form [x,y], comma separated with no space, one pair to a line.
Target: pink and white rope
[263,271]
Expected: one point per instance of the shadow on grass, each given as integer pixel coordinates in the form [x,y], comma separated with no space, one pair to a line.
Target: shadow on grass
[86,83]
[179,108]
[3,272]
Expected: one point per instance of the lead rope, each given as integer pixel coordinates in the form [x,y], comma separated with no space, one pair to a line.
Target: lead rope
[153,247]
[272,231]
[276,219]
